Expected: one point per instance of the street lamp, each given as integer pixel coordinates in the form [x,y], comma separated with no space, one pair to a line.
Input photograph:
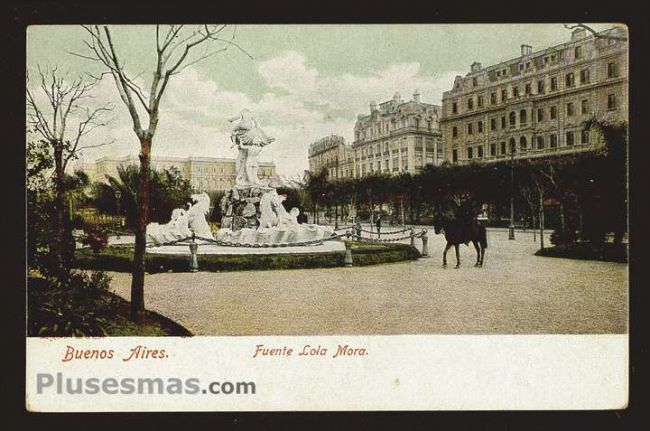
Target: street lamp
[118,199]
[511,228]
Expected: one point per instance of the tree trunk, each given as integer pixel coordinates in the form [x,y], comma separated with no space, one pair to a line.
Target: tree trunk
[58,244]
[401,209]
[137,282]
[541,220]
[563,232]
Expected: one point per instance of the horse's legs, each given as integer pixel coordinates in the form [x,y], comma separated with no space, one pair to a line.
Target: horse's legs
[456,246]
[478,253]
[444,254]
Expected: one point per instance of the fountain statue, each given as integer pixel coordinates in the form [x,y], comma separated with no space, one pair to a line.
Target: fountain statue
[253,211]
[183,222]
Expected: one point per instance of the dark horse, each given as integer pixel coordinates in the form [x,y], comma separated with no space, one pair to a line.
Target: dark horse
[461,232]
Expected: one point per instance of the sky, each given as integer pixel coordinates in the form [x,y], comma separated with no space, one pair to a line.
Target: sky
[303,82]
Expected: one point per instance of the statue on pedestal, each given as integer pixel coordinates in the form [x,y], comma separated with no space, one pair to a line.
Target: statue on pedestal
[249,138]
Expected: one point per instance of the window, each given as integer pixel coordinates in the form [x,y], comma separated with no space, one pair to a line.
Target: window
[577,52]
[454,156]
[554,83]
[569,109]
[470,152]
[523,143]
[540,142]
[469,129]
[569,138]
[584,136]
[612,70]
[493,98]
[503,147]
[513,119]
[503,121]
[454,132]
[552,140]
[522,116]
[584,106]
[540,115]
[584,76]
[552,57]
[513,146]
[515,92]
[474,82]
[546,60]
[480,127]
[569,79]
[470,103]
[521,66]
[540,86]
[454,108]
[553,113]
[527,89]
[528,65]
[611,102]
[479,151]
[493,150]
[504,95]
[480,101]
[493,124]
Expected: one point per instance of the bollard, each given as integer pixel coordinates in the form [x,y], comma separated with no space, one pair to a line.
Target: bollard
[425,249]
[194,262]
[412,237]
[348,254]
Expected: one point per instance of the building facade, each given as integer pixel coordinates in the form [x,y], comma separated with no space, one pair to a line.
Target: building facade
[333,154]
[397,137]
[537,104]
[204,173]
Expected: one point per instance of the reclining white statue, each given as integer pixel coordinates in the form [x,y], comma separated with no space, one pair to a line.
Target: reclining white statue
[183,223]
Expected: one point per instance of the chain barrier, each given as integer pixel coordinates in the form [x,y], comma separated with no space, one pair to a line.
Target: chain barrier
[414,235]
[393,232]
[184,241]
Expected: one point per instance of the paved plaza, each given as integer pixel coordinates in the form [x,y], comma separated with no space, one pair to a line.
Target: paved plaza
[515,293]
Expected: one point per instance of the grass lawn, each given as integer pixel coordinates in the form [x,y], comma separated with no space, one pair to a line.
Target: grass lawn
[119,259]
[607,252]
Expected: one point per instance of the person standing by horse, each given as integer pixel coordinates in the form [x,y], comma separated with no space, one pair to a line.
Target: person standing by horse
[378,225]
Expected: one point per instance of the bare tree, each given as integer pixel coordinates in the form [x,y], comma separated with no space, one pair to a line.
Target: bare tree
[56,113]
[177,48]
[597,35]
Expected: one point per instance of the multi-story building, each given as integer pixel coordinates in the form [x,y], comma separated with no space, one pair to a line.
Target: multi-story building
[396,137]
[537,104]
[204,173]
[333,154]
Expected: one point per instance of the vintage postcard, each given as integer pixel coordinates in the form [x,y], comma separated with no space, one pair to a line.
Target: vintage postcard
[327,217]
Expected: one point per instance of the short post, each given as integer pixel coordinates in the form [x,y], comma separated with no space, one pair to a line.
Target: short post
[194,262]
[348,254]
[412,233]
[425,249]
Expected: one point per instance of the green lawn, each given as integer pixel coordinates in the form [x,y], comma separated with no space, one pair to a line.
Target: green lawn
[119,259]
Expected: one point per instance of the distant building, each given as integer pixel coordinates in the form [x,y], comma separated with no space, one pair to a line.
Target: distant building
[333,154]
[396,137]
[204,173]
[537,104]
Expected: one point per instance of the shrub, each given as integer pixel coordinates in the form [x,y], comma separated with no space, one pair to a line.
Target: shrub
[78,306]
[94,237]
